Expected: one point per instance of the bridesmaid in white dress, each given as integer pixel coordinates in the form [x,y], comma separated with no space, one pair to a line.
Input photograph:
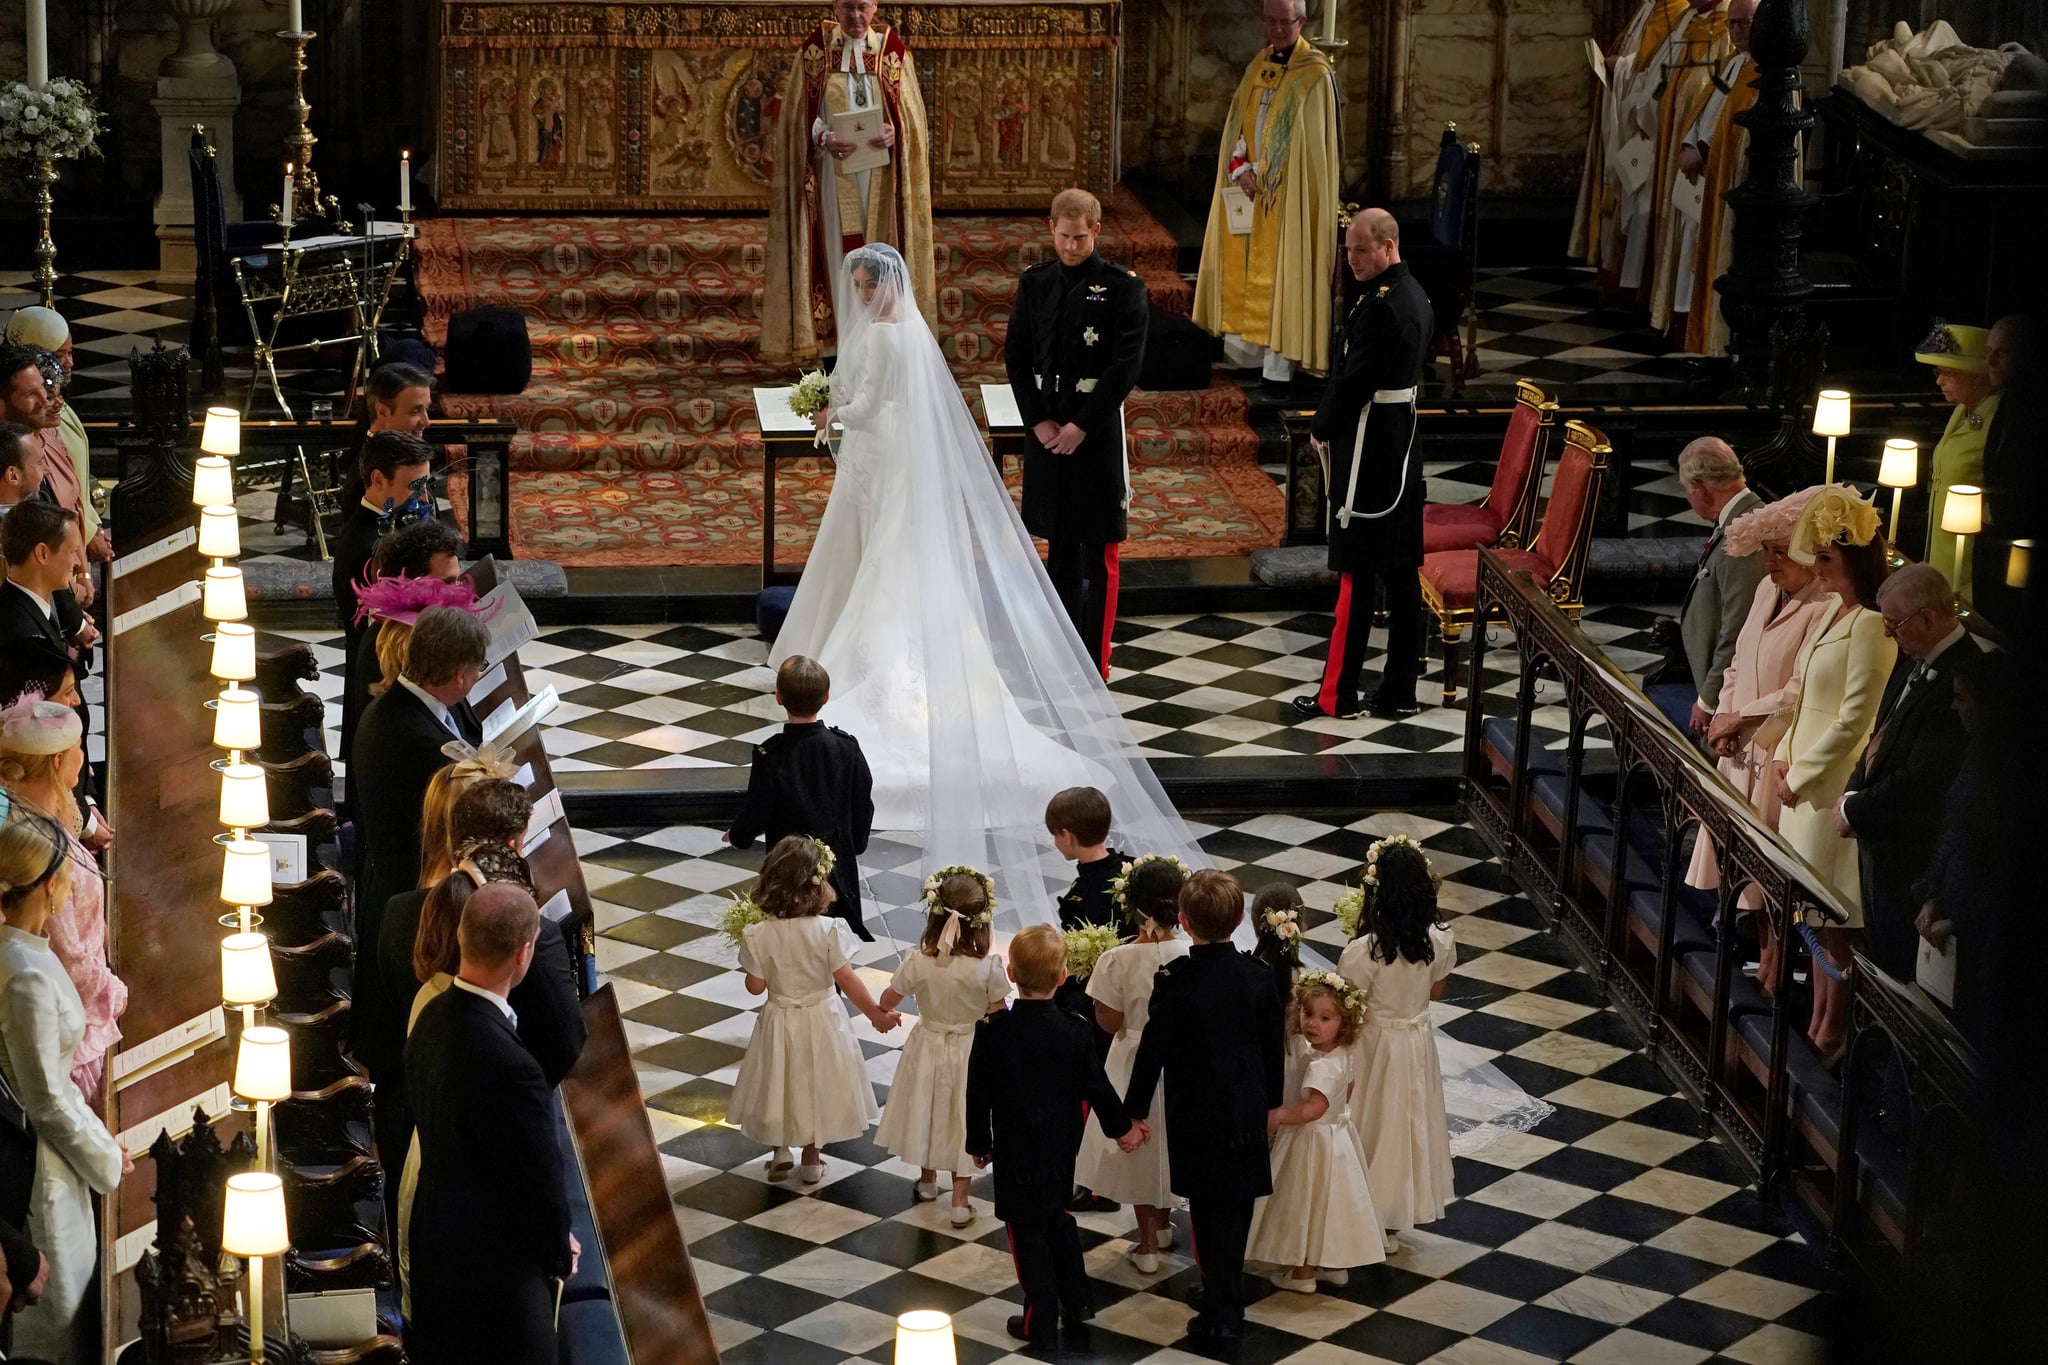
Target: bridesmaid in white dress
[1401,959]
[802,1082]
[1121,987]
[1320,1218]
[41,1021]
[956,982]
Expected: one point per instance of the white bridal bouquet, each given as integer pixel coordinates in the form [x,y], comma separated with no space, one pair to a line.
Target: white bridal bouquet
[812,391]
[58,121]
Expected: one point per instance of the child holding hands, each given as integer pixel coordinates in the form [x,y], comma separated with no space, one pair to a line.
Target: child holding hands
[1401,958]
[956,982]
[802,1081]
[1320,1217]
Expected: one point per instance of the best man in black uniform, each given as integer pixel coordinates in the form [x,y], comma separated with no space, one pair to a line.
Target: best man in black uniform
[1076,343]
[1365,429]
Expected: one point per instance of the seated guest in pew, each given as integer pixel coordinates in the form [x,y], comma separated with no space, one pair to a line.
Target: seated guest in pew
[425,549]
[1717,600]
[1842,672]
[490,1219]
[1755,702]
[42,1024]
[390,463]
[1896,795]
[1980,868]
[42,752]
[398,749]
[418,943]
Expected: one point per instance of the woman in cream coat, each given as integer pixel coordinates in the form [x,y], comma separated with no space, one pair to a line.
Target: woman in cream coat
[1842,673]
[41,1021]
[1757,695]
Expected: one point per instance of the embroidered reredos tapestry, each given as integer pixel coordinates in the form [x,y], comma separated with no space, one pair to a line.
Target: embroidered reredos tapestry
[617,105]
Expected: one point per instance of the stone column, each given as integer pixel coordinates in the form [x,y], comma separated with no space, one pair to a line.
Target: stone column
[196,85]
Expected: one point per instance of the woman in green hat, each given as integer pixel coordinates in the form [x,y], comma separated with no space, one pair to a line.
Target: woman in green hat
[1957,355]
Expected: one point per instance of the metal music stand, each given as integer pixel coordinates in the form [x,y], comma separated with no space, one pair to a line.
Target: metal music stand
[347,276]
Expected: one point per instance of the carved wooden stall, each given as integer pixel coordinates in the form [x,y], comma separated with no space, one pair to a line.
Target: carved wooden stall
[1598,839]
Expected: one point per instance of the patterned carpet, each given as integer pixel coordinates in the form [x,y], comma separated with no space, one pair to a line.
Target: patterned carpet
[640,445]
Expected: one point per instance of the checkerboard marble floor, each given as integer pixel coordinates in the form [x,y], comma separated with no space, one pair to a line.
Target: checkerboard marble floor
[1549,324]
[1615,1231]
[1191,686]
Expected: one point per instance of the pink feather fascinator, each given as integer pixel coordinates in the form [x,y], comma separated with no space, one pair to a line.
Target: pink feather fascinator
[403,598]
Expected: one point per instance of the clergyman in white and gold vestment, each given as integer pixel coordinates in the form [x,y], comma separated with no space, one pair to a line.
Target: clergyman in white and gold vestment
[1271,244]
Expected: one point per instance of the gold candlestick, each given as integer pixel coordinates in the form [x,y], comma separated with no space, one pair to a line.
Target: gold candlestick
[299,142]
[46,250]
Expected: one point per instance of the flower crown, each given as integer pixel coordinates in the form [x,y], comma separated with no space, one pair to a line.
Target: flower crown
[982,918]
[402,597]
[1283,922]
[1117,896]
[826,861]
[1372,855]
[1350,998]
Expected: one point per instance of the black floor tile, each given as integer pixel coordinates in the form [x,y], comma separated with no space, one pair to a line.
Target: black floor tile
[1393,1337]
[764,1302]
[1546,1332]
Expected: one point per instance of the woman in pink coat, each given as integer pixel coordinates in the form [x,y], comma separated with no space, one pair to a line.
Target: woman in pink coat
[1759,690]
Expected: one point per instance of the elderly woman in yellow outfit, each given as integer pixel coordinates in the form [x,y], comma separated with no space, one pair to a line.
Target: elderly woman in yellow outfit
[1960,369]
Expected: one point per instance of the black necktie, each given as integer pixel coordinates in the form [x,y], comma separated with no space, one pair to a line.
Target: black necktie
[466,721]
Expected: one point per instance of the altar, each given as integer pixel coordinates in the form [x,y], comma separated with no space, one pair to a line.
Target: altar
[560,105]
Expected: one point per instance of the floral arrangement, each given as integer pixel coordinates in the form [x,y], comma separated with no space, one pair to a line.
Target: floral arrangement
[1283,922]
[985,917]
[826,861]
[812,391]
[1116,887]
[1087,944]
[1349,907]
[1350,998]
[57,121]
[738,915]
[1372,855]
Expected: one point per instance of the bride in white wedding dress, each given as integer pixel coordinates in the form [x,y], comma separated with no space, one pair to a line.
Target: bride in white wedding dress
[952,660]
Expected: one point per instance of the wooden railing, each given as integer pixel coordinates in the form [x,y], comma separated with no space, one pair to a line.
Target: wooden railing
[1598,835]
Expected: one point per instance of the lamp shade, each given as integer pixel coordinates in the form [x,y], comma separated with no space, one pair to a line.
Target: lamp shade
[245,872]
[1831,413]
[213,481]
[220,532]
[1900,467]
[263,1064]
[222,434]
[238,719]
[1962,511]
[924,1336]
[246,976]
[2018,561]
[224,600]
[234,652]
[252,1216]
[244,799]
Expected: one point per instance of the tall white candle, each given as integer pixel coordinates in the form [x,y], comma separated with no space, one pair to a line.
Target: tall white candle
[286,216]
[1329,21]
[38,36]
[297,21]
[405,181]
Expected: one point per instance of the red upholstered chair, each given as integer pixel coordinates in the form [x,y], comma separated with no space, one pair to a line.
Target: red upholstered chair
[1507,516]
[1557,560]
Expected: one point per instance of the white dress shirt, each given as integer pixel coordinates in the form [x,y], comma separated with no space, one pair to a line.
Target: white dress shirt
[504,1005]
[433,704]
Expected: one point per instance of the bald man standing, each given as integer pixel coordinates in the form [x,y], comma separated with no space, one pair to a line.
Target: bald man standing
[1364,431]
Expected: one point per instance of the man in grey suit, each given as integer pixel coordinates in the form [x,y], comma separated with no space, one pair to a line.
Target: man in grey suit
[1717,600]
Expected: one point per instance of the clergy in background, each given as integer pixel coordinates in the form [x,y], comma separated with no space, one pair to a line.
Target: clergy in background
[1711,162]
[1691,84]
[1615,226]
[1271,246]
[852,166]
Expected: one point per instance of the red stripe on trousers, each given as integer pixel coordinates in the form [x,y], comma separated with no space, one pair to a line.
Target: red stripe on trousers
[1011,1234]
[1332,666]
[1112,572]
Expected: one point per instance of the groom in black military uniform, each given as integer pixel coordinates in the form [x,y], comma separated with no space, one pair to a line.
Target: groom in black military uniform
[1365,431]
[1076,342]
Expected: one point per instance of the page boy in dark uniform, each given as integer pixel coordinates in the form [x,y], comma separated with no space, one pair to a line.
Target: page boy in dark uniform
[1216,1033]
[1032,1081]
[811,779]
[1075,346]
[1374,474]
[1078,820]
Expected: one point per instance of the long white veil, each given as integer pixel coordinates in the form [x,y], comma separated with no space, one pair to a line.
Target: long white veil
[952,660]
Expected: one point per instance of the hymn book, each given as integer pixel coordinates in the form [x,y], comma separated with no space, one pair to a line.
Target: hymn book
[858,126]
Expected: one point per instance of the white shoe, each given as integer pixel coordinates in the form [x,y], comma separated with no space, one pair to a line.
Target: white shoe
[961,1214]
[779,1164]
[1392,1244]
[927,1191]
[1340,1278]
[1144,1262]
[1285,1279]
[811,1174]
[1165,1237]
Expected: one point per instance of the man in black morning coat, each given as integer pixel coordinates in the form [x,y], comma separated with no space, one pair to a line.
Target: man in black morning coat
[1075,346]
[1375,481]
[1897,795]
